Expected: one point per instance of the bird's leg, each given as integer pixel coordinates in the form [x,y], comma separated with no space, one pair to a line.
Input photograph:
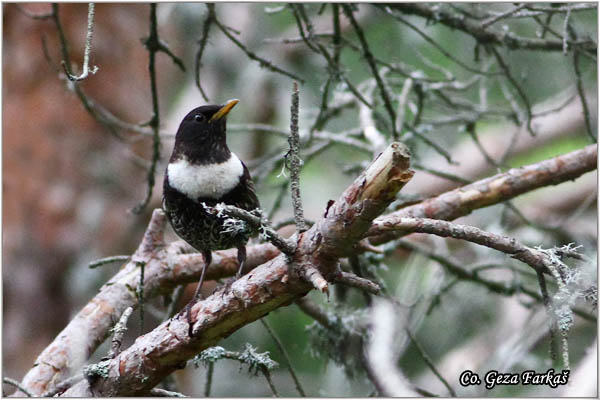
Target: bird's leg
[197,295]
[207,260]
[241,257]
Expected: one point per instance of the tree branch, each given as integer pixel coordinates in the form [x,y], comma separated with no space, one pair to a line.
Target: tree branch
[536,259]
[166,267]
[153,46]
[501,187]
[86,53]
[158,353]
[295,163]
[474,29]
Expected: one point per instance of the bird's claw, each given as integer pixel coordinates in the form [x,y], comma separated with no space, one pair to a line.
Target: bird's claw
[227,286]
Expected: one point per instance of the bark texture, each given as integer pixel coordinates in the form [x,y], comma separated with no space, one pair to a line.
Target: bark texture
[501,187]
[167,266]
[155,355]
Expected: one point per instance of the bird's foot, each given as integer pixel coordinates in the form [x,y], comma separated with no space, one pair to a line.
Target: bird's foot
[226,287]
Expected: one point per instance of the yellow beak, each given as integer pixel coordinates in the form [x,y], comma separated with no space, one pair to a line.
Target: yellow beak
[224,110]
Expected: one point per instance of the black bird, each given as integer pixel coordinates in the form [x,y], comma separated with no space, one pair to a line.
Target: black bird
[202,169]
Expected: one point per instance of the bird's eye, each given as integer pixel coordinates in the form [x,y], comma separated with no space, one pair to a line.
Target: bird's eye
[199,118]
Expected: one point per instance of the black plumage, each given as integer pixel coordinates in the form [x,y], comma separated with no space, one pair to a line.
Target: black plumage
[202,169]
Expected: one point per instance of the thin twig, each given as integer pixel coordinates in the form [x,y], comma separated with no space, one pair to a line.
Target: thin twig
[357,268]
[99,113]
[492,20]
[332,63]
[300,16]
[210,19]
[430,363]
[140,294]
[313,310]
[508,39]
[257,223]
[473,133]
[86,52]
[320,120]
[436,147]
[550,311]
[209,377]
[420,100]
[107,260]
[261,61]
[441,174]
[285,356]
[337,43]
[536,259]
[371,61]
[255,361]
[105,117]
[563,8]
[295,162]
[566,31]
[153,46]
[64,49]
[267,375]
[471,275]
[429,40]
[349,279]
[290,221]
[18,385]
[516,85]
[581,93]
[546,25]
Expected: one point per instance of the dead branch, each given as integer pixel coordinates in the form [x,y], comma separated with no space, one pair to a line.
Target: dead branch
[482,35]
[153,356]
[166,267]
[563,118]
[536,259]
[493,190]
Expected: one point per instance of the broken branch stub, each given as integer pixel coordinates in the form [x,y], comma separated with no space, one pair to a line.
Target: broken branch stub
[346,221]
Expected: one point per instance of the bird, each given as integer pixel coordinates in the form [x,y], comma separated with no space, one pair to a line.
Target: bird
[203,171]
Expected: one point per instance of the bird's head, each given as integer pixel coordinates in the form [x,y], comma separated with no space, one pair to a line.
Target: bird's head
[201,135]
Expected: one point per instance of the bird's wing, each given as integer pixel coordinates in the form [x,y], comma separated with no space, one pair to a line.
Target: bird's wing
[246,196]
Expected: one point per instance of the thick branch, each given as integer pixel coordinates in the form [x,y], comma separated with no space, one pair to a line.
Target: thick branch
[158,353]
[166,267]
